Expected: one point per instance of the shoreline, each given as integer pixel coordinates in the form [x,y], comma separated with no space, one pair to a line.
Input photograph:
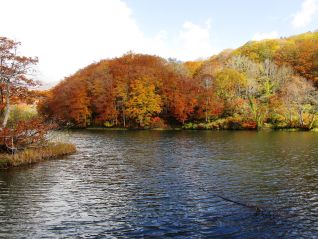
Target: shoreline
[182,129]
[35,155]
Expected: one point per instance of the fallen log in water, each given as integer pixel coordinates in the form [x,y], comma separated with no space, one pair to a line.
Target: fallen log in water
[254,207]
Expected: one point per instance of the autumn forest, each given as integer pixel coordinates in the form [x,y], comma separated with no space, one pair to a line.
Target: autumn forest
[269,83]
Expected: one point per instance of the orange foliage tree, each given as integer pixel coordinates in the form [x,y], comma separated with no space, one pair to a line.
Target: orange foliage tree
[15,80]
[14,76]
[143,103]
[302,55]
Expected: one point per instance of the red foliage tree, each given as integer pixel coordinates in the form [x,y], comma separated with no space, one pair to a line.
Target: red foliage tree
[15,71]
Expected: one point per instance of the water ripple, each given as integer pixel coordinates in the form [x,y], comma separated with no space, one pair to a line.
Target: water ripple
[138,184]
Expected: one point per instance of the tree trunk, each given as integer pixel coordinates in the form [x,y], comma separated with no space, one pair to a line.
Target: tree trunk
[259,121]
[313,118]
[7,110]
[124,118]
[301,120]
[206,110]
[1,101]
[252,107]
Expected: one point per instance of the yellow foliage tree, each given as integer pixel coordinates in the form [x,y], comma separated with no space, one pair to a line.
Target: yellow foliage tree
[143,102]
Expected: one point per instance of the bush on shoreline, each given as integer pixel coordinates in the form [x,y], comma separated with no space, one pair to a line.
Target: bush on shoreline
[231,123]
[34,155]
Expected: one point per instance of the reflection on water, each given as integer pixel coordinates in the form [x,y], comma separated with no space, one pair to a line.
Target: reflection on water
[163,184]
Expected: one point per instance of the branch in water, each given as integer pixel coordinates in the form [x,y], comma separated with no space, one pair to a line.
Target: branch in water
[256,208]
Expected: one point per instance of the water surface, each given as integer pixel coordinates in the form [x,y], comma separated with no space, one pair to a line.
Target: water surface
[136,184]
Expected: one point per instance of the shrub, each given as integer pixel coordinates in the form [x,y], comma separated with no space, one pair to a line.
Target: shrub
[108,124]
[157,122]
[21,112]
[234,122]
[190,125]
[24,134]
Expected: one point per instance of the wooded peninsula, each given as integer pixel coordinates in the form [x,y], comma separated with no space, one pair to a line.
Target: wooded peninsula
[263,84]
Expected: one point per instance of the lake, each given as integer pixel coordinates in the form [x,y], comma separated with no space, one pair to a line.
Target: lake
[163,184]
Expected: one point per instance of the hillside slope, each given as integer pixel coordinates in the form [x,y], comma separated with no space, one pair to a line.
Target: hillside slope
[269,82]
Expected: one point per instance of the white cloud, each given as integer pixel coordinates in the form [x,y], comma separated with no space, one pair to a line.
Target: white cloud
[303,17]
[68,35]
[265,35]
[195,41]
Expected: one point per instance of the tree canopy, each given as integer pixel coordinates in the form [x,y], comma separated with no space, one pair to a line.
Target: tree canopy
[270,82]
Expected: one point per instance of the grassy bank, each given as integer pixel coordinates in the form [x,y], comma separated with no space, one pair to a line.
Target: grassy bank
[34,155]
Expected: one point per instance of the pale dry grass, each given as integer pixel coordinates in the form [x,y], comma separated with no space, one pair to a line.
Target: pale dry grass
[34,155]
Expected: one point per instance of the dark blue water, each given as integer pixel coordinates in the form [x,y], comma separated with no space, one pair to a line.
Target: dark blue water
[151,184]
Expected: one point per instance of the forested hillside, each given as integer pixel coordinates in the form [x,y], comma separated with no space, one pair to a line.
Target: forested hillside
[269,83]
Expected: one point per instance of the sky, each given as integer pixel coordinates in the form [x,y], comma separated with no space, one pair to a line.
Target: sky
[67,35]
